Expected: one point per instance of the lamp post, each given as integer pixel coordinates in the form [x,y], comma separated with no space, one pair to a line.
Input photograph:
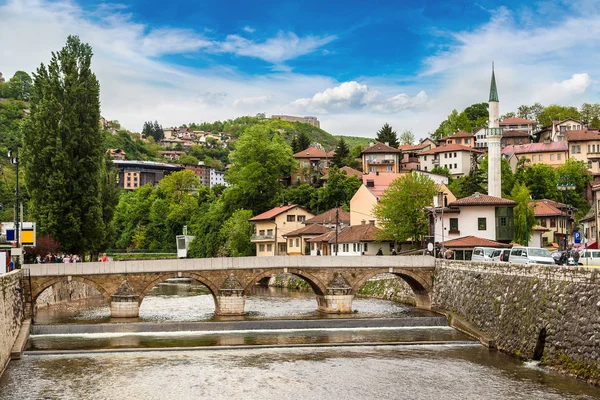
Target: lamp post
[565,187]
[13,156]
[441,205]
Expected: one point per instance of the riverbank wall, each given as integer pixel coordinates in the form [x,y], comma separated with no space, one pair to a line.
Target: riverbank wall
[11,314]
[62,293]
[546,313]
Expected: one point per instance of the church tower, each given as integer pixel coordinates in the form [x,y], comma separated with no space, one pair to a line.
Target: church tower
[494,135]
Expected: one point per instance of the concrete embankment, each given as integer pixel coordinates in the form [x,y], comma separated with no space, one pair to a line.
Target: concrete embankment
[11,315]
[546,313]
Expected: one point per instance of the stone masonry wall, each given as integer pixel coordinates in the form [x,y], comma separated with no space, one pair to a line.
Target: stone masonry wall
[11,314]
[388,287]
[63,292]
[514,303]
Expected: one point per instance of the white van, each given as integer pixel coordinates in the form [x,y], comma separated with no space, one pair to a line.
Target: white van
[483,253]
[531,255]
[589,257]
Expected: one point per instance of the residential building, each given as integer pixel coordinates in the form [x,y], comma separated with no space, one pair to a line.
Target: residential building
[116,154]
[217,178]
[510,138]
[584,145]
[133,174]
[319,245]
[589,229]
[456,157]
[172,154]
[410,154]
[349,172]
[380,158]
[307,120]
[202,172]
[480,138]
[463,138]
[479,215]
[331,218]
[518,124]
[557,130]
[553,154]
[373,187]
[463,247]
[364,239]
[297,241]
[313,163]
[554,216]
[271,226]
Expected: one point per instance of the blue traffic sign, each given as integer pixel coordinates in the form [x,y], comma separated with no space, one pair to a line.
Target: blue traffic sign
[577,237]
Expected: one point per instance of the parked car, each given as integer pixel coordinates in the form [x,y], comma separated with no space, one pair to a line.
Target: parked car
[482,253]
[560,257]
[531,255]
[589,257]
[501,255]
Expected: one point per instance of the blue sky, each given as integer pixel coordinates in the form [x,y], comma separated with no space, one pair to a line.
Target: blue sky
[353,64]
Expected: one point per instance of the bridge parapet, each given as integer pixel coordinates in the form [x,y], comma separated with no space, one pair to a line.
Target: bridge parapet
[235,263]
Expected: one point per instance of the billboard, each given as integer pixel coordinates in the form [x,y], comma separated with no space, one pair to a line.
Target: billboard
[26,229]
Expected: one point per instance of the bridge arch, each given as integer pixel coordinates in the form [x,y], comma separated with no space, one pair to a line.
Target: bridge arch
[419,285]
[315,283]
[46,284]
[212,288]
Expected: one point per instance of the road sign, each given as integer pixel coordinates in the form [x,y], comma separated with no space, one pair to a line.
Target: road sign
[577,237]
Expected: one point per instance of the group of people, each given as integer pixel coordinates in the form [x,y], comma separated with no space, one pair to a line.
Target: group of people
[569,257]
[57,258]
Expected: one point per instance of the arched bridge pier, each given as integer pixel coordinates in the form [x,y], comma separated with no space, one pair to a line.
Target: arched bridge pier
[334,280]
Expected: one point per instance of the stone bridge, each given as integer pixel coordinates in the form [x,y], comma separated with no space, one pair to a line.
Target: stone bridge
[334,280]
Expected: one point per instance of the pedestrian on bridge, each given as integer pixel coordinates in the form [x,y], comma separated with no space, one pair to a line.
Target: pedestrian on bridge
[379,252]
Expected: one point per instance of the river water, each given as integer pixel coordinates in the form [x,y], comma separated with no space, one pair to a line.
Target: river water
[187,365]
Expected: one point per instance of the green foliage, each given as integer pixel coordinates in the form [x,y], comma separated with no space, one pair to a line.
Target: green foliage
[18,87]
[540,179]
[260,160]
[590,114]
[577,174]
[472,117]
[215,157]
[188,159]
[304,195]
[387,135]
[294,145]
[303,141]
[153,130]
[134,147]
[441,171]
[556,112]
[530,112]
[508,178]
[337,192]
[401,209]
[407,137]
[524,217]
[341,157]
[465,186]
[235,235]
[64,148]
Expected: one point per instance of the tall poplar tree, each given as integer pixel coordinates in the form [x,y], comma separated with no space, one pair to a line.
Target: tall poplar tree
[63,150]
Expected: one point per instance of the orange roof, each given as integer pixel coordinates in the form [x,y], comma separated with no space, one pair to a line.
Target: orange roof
[473,241]
[479,199]
[416,147]
[357,233]
[507,134]
[517,121]
[313,152]
[349,172]
[323,238]
[329,217]
[459,134]
[581,135]
[380,182]
[272,213]
[547,208]
[312,229]
[448,148]
[380,148]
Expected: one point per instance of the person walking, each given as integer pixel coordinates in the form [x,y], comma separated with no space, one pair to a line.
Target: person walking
[575,257]
[394,252]
[103,259]
[380,252]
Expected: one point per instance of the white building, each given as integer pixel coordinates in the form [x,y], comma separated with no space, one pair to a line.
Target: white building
[518,124]
[455,157]
[217,178]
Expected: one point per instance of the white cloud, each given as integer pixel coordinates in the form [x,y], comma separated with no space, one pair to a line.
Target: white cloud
[251,101]
[353,95]
[577,84]
[249,29]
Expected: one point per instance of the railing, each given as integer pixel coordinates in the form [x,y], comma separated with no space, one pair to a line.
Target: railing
[382,162]
[262,237]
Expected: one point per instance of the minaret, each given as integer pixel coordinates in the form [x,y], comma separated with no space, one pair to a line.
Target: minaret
[494,135]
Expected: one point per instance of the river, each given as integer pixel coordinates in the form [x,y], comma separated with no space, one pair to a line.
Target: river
[433,362]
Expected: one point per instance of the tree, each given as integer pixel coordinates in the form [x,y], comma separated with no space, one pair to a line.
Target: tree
[401,210]
[524,218]
[541,181]
[407,137]
[19,86]
[236,233]
[387,135]
[465,186]
[508,179]
[64,149]
[531,112]
[555,112]
[154,130]
[441,171]
[294,145]
[188,159]
[575,173]
[590,114]
[342,153]
[338,190]
[303,141]
[260,160]
[477,115]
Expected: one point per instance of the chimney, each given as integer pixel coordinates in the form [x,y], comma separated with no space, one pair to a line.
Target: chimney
[377,173]
[372,222]
[387,143]
[363,222]
[371,144]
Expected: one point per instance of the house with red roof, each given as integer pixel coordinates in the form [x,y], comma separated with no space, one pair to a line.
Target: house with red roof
[555,217]
[312,163]
[518,124]
[554,153]
[409,160]
[380,157]
[456,157]
[271,227]
[510,138]
[584,145]
[461,137]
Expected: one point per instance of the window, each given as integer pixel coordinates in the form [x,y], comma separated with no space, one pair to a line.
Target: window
[458,141]
[345,247]
[551,157]
[576,149]
[454,155]
[297,242]
[388,168]
[269,247]
[282,249]
[301,218]
[365,247]
[589,165]
[533,158]
[291,218]
[541,157]
[269,232]
[261,232]
[543,222]
[454,165]
[261,247]
[552,222]
[354,247]
[445,155]
[453,225]
[467,141]
[558,156]
[372,169]
[503,222]
[306,164]
[424,158]
[291,243]
[481,224]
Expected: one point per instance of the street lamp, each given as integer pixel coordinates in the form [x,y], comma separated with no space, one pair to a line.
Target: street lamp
[565,187]
[13,157]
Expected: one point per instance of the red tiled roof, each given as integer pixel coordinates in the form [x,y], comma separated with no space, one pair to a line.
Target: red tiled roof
[313,152]
[582,135]
[479,199]
[272,213]
[312,229]
[380,148]
[508,134]
[448,148]
[473,241]
[349,172]
[323,238]
[328,217]
[535,148]
[357,233]
[517,121]
[416,147]
[381,182]
[546,208]
[459,134]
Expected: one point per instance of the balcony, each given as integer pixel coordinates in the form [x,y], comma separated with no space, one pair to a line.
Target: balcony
[260,238]
[381,162]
